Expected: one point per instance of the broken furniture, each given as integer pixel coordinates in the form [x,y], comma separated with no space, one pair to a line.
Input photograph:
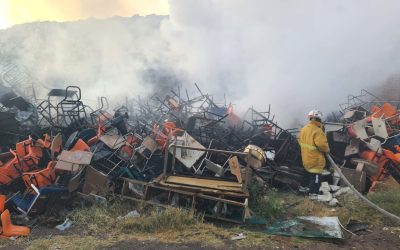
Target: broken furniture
[216,198]
[9,229]
[73,161]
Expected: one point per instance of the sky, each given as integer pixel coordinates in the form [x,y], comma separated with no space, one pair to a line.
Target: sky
[23,11]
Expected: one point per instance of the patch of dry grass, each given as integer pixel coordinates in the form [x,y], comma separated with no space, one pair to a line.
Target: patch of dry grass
[68,242]
[5,242]
[350,207]
[175,219]
[387,199]
[166,225]
[104,219]
[170,225]
[176,225]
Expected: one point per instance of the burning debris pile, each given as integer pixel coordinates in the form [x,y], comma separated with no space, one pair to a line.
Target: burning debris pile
[188,152]
[182,151]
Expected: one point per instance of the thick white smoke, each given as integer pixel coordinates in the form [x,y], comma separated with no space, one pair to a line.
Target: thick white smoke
[294,55]
[116,58]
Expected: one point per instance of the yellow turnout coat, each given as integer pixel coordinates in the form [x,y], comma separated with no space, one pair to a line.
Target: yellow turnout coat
[314,145]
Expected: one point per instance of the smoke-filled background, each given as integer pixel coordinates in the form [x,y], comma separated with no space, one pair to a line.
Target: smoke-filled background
[295,55]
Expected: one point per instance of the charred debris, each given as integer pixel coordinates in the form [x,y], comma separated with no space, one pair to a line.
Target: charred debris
[178,150]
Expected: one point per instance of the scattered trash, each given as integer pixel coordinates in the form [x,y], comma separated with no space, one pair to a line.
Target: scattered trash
[341,191]
[65,225]
[333,202]
[131,214]
[239,236]
[326,197]
[309,227]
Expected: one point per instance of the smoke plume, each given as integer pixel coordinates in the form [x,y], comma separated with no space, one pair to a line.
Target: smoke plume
[294,55]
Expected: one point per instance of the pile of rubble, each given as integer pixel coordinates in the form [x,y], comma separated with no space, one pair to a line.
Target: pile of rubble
[182,151]
[366,139]
[187,152]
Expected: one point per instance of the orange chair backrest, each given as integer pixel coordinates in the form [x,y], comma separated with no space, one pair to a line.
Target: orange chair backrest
[10,170]
[40,178]
[80,145]
[26,149]
[21,148]
[387,110]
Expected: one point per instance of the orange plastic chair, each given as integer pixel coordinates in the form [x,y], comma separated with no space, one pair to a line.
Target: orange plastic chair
[2,202]
[21,148]
[24,158]
[392,156]
[25,163]
[26,148]
[161,137]
[41,178]
[9,171]
[12,230]
[369,156]
[387,110]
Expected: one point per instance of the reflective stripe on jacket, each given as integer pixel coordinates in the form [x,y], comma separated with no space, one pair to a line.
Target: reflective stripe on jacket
[314,144]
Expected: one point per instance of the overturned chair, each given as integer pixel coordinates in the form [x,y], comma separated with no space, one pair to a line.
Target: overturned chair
[7,228]
[38,184]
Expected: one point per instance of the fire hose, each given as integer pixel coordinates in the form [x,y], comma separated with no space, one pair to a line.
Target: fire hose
[358,194]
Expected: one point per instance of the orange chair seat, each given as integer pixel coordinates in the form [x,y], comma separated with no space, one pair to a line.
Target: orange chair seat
[12,230]
[394,157]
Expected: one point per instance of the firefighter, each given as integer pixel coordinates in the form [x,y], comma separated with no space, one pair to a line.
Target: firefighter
[314,145]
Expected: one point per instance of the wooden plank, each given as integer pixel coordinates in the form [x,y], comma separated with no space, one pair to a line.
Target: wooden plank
[67,166]
[234,165]
[205,183]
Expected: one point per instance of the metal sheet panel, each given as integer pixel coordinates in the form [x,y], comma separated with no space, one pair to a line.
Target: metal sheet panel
[359,129]
[379,126]
[76,157]
[186,156]
[112,141]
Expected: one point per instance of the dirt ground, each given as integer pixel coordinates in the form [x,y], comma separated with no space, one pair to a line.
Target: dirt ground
[93,230]
[379,238]
[374,240]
